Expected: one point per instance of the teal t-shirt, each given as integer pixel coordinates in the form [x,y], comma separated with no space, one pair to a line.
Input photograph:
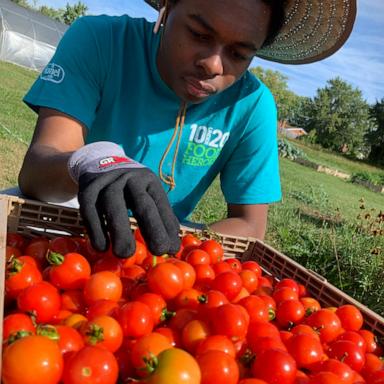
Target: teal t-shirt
[104,74]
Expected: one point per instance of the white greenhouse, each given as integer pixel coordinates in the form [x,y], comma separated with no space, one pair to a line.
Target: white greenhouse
[27,37]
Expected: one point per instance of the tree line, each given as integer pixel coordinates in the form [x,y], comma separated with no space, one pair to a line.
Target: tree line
[66,15]
[337,117]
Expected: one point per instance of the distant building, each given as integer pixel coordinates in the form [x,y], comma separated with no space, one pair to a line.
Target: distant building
[290,132]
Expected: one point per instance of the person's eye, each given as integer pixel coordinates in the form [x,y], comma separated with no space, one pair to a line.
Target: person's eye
[238,56]
[198,36]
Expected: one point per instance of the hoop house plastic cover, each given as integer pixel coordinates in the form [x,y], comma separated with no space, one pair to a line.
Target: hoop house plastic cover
[27,37]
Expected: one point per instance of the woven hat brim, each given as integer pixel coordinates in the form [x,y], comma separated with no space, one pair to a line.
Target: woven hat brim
[313,30]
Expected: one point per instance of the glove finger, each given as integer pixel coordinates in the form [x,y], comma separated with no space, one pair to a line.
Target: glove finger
[116,213]
[169,219]
[148,218]
[93,219]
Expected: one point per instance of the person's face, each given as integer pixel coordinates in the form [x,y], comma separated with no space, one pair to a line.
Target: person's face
[208,45]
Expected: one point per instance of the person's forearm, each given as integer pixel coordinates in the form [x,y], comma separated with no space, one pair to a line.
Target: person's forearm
[236,226]
[44,175]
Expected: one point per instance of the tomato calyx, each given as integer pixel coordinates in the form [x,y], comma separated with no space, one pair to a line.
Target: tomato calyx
[55,258]
[151,363]
[16,336]
[167,315]
[14,266]
[94,333]
[203,299]
[247,358]
[49,331]
[271,314]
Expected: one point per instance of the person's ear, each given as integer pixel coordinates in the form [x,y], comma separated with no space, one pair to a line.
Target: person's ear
[162,16]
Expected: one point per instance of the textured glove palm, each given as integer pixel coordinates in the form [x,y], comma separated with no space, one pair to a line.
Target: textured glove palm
[106,194]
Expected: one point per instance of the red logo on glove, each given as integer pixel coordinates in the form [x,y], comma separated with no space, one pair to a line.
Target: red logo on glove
[113,160]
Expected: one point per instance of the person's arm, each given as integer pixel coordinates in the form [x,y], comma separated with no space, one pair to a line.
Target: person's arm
[44,173]
[245,220]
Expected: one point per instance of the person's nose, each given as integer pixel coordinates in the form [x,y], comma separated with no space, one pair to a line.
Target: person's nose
[212,64]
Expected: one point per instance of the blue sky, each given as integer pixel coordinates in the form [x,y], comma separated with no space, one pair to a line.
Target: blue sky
[360,61]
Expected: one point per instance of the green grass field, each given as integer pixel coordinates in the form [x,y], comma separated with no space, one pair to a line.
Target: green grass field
[316,223]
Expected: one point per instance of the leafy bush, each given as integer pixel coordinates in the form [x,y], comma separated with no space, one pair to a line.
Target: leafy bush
[290,151]
[373,178]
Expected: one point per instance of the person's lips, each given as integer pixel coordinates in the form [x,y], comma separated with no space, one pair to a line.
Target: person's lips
[199,88]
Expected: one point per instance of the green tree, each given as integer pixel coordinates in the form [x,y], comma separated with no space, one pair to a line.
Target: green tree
[56,14]
[22,3]
[340,116]
[72,12]
[288,103]
[375,136]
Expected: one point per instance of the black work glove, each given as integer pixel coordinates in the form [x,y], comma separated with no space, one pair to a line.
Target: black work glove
[109,185]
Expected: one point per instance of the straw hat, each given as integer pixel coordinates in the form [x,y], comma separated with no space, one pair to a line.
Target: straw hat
[312,31]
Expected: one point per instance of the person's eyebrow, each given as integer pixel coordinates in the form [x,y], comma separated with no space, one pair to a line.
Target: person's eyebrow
[204,23]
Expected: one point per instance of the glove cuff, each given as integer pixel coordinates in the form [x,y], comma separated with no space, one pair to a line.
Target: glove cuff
[99,157]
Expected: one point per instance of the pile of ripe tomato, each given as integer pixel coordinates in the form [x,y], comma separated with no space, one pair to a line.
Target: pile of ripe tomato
[76,316]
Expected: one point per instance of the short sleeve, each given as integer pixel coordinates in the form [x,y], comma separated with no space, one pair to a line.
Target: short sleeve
[251,175]
[72,81]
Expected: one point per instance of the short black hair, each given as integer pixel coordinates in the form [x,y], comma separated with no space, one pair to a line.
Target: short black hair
[276,22]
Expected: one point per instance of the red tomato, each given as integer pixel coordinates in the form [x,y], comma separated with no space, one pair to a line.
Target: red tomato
[32,359]
[214,249]
[72,300]
[91,365]
[171,334]
[327,323]
[350,317]
[264,343]
[70,339]
[218,367]
[370,340]
[141,253]
[181,318]
[306,329]
[134,272]
[372,364]
[289,313]
[204,275]
[220,267]
[16,240]
[255,307]
[252,381]
[157,305]
[42,300]
[234,263]
[324,378]
[216,343]
[290,283]
[135,319]
[283,294]
[193,333]
[305,349]
[70,271]
[347,352]
[249,279]
[108,263]
[261,329]
[104,332]
[197,256]
[187,298]
[310,305]
[229,320]
[175,366]
[102,307]
[15,323]
[275,367]
[228,283]
[145,349]
[63,245]
[20,275]
[253,266]
[165,279]
[188,272]
[190,240]
[38,249]
[103,285]
[355,338]
[12,252]
[340,369]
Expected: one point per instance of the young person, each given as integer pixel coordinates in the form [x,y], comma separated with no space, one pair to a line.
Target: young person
[108,101]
